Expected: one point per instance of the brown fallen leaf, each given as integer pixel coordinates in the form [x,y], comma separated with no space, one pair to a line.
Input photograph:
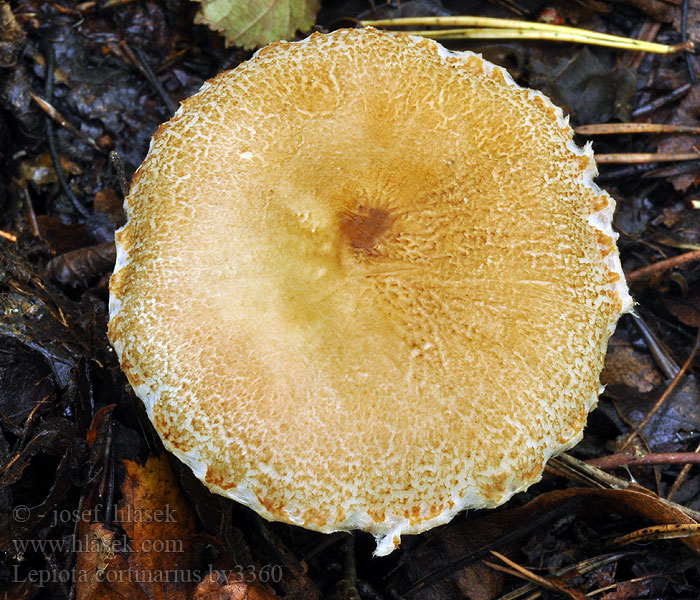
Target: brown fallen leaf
[626,590]
[79,266]
[101,569]
[157,555]
[625,365]
[685,309]
[215,586]
[59,236]
[161,527]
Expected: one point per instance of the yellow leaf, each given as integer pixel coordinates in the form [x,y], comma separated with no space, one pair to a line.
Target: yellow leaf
[252,23]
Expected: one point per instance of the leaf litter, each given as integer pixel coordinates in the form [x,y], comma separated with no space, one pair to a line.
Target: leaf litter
[78,457]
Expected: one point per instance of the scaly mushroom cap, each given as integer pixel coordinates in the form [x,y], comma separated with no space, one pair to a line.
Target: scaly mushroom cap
[366,283]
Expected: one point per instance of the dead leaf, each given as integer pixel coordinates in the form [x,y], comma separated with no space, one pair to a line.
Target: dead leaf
[161,527]
[11,37]
[626,590]
[101,568]
[78,267]
[624,365]
[589,86]
[656,9]
[59,236]
[215,586]
[157,558]
[686,310]
[674,422]
[108,202]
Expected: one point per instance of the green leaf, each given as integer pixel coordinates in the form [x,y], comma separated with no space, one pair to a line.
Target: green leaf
[252,23]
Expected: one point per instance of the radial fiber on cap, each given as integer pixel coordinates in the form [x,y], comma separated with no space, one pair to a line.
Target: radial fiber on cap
[365,283]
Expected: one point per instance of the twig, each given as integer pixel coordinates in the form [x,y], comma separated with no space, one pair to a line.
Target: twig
[48,108]
[172,106]
[659,102]
[523,573]
[625,128]
[630,170]
[53,147]
[571,571]
[614,586]
[112,3]
[592,475]
[648,33]
[622,459]
[646,157]
[523,33]
[663,265]
[347,586]
[139,58]
[31,215]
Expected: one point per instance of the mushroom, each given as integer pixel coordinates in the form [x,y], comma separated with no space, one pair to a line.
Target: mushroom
[366,283]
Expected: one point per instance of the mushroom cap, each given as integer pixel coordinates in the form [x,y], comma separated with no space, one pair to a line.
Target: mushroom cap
[366,283]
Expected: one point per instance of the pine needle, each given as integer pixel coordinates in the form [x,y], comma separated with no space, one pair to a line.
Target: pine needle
[491,28]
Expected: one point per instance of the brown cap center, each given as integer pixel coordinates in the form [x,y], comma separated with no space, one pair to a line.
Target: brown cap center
[364,228]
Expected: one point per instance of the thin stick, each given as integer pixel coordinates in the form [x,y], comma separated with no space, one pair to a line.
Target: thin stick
[31,215]
[645,157]
[659,102]
[624,128]
[51,138]
[588,472]
[525,573]
[648,33]
[520,571]
[569,572]
[118,165]
[49,109]
[663,265]
[659,458]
